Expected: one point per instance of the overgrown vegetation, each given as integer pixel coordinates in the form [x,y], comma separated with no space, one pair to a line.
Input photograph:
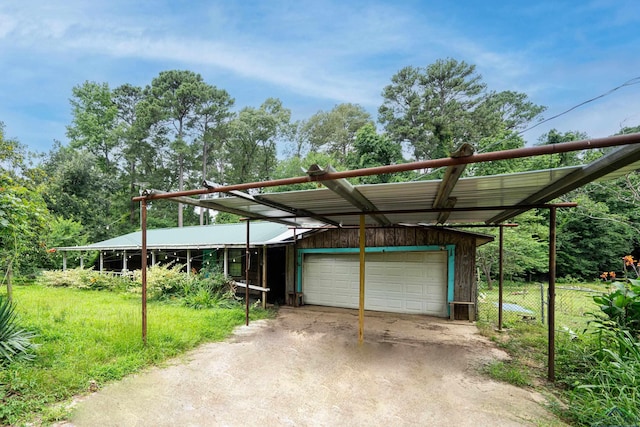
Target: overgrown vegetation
[92,337]
[596,366]
[16,343]
[207,289]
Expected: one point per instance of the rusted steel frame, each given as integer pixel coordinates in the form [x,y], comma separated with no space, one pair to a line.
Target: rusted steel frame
[551,374]
[564,147]
[143,226]
[449,180]
[362,238]
[246,270]
[432,210]
[500,277]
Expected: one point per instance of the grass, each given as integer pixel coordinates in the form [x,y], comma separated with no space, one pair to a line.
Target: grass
[87,335]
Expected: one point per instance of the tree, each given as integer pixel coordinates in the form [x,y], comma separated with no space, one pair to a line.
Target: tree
[333,132]
[174,98]
[23,213]
[251,147]
[371,149]
[437,108]
[94,122]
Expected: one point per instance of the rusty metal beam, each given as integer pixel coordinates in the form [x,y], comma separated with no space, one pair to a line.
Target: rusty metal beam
[348,192]
[564,147]
[449,181]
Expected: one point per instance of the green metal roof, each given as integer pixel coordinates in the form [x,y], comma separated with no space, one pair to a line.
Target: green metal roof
[197,237]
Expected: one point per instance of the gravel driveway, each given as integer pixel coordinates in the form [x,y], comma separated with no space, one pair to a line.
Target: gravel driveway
[305,368]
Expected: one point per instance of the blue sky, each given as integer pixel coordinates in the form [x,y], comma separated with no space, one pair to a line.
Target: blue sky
[316,54]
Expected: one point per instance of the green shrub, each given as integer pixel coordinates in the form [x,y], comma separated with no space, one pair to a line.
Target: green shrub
[15,342]
[81,278]
[164,281]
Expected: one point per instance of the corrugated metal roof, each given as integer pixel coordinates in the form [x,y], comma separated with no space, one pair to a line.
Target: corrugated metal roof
[198,237]
[474,192]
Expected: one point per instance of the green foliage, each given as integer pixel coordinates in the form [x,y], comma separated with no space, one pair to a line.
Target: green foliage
[81,278]
[371,149]
[508,372]
[600,370]
[15,342]
[95,336]
[163,281]
[210,289]
[332,132]
[621,307]
[439,107]
[23,214]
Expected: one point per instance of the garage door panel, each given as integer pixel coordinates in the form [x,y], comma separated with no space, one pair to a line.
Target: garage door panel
[404,282]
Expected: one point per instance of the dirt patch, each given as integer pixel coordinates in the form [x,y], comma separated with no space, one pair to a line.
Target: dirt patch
[306,368]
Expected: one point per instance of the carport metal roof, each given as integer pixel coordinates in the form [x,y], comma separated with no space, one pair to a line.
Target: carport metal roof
[451,200]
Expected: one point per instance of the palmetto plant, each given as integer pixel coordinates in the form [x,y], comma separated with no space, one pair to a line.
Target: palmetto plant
[15,342]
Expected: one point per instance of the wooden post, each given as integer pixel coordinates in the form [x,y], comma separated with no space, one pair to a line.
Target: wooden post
[361,305]
[143,220]
[552,295]
[501,277]
[264,276]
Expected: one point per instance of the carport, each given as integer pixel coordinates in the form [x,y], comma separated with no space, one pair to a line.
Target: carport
[451,201]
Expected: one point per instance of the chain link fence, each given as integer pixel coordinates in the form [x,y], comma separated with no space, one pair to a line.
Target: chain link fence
[528,302]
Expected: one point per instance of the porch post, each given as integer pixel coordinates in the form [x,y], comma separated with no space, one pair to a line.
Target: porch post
[188,261]
[64,261]
[225,267]
[101,261]
[124,261]
[153,258]
[81,260]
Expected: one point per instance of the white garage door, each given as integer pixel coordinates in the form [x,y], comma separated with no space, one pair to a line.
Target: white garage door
[400,282]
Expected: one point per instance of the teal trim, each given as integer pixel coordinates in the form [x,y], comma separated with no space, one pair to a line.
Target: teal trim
[299,270]
[372,249]
[451,256]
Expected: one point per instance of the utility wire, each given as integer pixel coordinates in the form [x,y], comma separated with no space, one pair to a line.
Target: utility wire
[631,82]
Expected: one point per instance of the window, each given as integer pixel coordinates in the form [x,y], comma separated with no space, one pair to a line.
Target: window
[235,262]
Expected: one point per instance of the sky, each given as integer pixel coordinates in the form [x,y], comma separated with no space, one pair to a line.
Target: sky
[313,55]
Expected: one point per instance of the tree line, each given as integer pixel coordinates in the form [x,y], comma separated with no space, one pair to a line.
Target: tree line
[179,130]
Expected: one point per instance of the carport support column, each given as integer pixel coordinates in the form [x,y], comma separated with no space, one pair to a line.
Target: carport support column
[361,304]
[143,268]
[101,261]
[188,261]
[246,271]
[501,277]
[552,295]
[225,267]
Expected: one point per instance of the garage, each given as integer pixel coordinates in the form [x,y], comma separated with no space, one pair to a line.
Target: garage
[396,281]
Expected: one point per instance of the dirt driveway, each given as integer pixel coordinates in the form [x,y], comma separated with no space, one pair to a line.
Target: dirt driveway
[305,368]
